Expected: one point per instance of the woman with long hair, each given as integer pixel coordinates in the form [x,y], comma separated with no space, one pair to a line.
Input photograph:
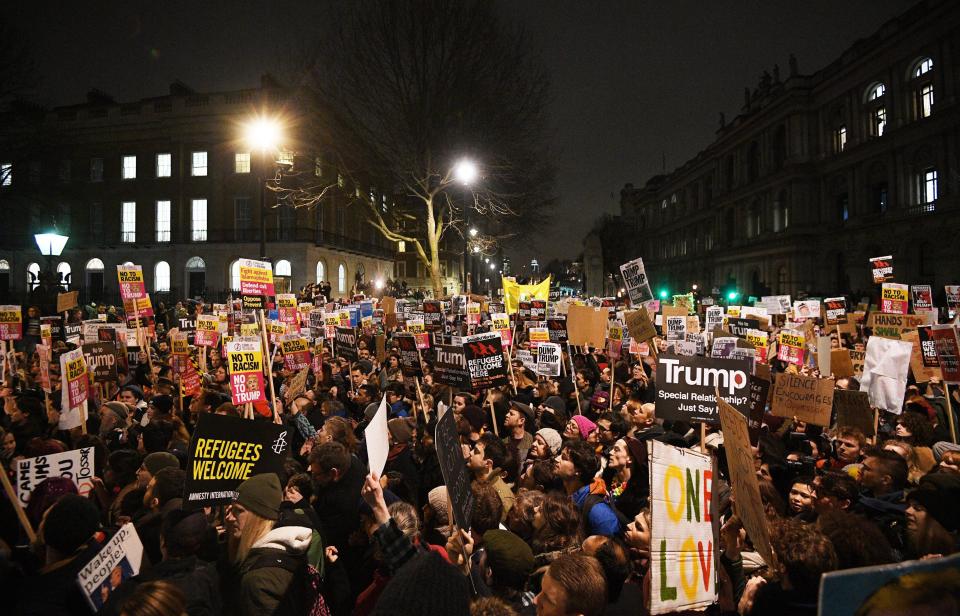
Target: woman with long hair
[556,528]
[626,476]
[338,429]
[263,550]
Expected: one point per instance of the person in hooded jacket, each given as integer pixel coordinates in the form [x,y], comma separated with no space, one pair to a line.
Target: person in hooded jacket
[267,585]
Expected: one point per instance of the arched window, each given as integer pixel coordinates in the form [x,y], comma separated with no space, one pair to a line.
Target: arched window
[875,91]
[196,264]
[64,275]
[33,276]
[922,88]
[342,278]
[94,265]
[161,277]
[921,67]
[282,268]
[321,272]
[235,275]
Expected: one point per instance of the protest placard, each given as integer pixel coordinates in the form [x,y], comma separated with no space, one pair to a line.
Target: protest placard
[75,382]
[256,278]
[635,281]
[791,347]
[836,310]
[409,355]
[947,346]
[117,561]
[527,359]
[676,328]
[806,309]
[287,310]
[739,326]
[685,301]
[682,509]
[743,479]
[587,326]
[882,269]
[245,364]
[759,390]
[952,292]
[377,439]
[852,408]
[921,295]
[685,387]
[130,279]
[537,335]
[101,358]
[807,398]
[11,323]
[922,373]
[857,359]
[893,298]
[345,343]
[885,373]
[639,325]
[759,340]
[207,333]
[723,347]
[714,318]
[928,348]
[67,301]
[454,469]
[450,366]
[76,465]
[225,451]
[548,359]
[433,315]
[485,361]
[776,304]
[296,352]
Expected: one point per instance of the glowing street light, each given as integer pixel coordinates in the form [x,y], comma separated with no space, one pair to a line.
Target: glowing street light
[263,133]
[378,284]
[473,232]
[466,171]
[493,266]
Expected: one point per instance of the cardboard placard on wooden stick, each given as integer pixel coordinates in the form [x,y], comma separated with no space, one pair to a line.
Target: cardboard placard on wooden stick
[587,326]
[807,398]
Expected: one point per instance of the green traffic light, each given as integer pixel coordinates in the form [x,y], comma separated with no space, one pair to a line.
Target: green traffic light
[664,293]
[732,295]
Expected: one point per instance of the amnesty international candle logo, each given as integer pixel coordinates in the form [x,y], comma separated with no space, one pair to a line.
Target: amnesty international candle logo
[225,451]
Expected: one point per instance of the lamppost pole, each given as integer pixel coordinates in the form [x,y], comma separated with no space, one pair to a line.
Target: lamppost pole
[263,203]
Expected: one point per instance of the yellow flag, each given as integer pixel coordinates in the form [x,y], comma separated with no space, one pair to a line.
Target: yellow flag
[514,293]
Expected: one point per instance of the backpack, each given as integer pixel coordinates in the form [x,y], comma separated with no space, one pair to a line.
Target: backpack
[304,595]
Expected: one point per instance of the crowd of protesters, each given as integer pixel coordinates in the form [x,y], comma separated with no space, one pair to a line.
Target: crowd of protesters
[561,519]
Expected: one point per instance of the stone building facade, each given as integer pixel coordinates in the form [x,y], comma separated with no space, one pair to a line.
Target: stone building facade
[170,183]
[816,175]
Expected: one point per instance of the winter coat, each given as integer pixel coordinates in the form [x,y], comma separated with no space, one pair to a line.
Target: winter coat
[271,589]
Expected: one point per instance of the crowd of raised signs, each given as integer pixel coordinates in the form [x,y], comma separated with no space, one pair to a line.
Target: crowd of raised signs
[299,454]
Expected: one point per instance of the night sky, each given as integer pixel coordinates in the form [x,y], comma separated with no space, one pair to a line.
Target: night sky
[634,82]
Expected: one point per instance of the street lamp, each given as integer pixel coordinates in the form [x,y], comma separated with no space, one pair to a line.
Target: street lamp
[473,232]
[50,244]
[264,134]
[466,171]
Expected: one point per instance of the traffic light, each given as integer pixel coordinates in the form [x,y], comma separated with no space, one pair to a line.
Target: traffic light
[732,295]
[664,293]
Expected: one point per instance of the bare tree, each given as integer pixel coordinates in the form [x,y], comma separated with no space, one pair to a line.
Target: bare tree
[400,91]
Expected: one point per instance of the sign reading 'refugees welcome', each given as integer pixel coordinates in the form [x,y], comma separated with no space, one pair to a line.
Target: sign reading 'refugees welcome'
[687,385]
[225,451]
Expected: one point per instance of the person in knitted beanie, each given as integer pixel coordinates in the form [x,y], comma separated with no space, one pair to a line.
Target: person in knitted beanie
[407,594]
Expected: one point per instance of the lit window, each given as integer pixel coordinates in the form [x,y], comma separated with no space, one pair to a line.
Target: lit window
[876,91]
[33,276]
[94,265]
[318,167]
[163,221]
[401,246]
[321,271]
[285,157]
[925,101]
[129,171]
[128,222]
[199,166]
[241,162]
[96,169]
[282,268]
[6,174]
[922,67]
[928,186]
[879,121]
[341,279]
[161,277]
[164,165]
[198,220]
[235,276]
[63,274]
[840,139]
